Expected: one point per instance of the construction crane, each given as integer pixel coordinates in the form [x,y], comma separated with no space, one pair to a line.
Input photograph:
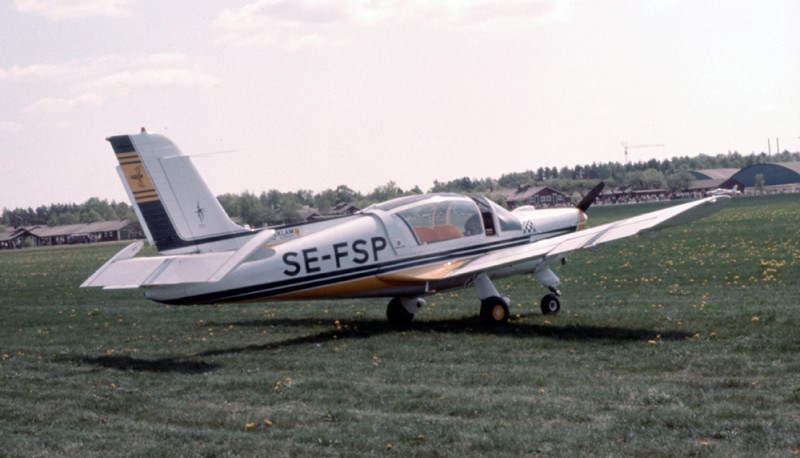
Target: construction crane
[627,146]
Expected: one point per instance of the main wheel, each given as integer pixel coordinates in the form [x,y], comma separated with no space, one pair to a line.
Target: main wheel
[494,310]
[397,314]
[550,304]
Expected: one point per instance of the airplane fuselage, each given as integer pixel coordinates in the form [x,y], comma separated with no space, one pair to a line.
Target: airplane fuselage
[375,253]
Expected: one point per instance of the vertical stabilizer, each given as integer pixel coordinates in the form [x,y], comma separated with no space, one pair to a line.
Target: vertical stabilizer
[177,210]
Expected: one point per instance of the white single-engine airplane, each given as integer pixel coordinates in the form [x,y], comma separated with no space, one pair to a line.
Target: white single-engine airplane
[404,248]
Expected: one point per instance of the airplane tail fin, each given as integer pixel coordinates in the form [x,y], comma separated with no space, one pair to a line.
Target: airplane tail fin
[178,212]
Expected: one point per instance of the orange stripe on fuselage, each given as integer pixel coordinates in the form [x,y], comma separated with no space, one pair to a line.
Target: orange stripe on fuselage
[346,289]
[431,272]
[372,284]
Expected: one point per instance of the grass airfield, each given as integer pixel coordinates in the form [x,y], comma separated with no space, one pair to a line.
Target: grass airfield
[682,345]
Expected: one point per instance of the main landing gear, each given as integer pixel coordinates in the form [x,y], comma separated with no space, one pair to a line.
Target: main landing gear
[401,310]
[494,308]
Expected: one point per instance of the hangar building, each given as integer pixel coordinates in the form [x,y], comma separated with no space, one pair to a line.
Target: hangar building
[779,174]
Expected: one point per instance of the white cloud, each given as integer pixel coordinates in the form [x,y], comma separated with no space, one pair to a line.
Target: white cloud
[156,69]
[165,58]
[10,127]
[61,72]
[329,22]
[71,9]
[37,71]
[58,105]
[157,77]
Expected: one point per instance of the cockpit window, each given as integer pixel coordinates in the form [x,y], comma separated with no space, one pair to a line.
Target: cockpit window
[507,220]
[437,220]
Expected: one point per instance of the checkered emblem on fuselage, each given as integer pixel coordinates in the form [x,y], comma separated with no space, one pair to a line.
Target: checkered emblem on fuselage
[528,227]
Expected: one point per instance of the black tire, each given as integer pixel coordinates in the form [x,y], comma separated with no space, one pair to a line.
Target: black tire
[397,314]
[494,311]
[550,304]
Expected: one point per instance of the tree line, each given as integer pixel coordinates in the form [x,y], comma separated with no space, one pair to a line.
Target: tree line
[276,207]
[91,211]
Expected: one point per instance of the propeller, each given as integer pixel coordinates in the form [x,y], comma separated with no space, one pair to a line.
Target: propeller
[589,199]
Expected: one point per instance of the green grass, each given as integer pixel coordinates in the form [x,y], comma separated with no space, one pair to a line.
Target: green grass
[686,344]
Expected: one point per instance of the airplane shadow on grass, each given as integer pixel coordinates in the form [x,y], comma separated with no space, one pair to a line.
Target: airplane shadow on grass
[367,328]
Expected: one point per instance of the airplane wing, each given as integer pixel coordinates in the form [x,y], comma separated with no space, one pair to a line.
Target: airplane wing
[125,271]
[646,224]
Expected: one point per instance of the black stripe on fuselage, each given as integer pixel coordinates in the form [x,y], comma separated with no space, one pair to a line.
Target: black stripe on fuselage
[293,285]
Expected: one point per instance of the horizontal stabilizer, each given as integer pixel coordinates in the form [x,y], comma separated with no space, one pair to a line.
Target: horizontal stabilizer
[125,271]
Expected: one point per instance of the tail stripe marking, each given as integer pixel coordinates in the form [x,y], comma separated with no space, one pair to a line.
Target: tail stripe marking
[135,173]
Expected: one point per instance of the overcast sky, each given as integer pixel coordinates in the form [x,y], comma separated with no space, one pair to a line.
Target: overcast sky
[313,94]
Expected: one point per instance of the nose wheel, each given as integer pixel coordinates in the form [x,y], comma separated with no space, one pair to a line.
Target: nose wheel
[550,304]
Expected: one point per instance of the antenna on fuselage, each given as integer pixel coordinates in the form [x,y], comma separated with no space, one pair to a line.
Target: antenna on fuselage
[589,199]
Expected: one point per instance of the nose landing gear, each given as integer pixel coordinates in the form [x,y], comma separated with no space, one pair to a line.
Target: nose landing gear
[550,304]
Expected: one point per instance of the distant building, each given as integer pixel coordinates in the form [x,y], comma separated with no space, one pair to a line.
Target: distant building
[785,175]
[17,237]
[713,174]
[343,209]
[626,194]
[308,213]
[104,231]
[537,196]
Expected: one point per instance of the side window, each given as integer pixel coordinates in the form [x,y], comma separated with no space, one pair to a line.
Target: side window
[507,220]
